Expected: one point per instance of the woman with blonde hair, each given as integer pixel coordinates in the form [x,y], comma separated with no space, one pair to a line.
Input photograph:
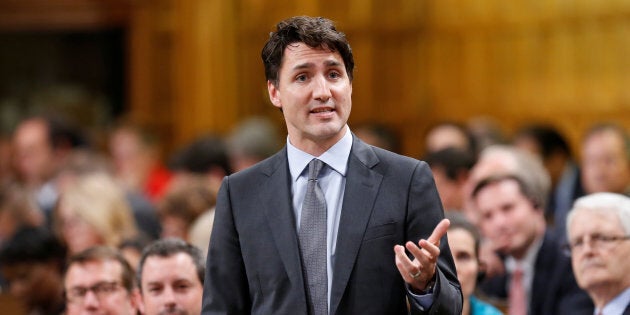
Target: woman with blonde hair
[92,210]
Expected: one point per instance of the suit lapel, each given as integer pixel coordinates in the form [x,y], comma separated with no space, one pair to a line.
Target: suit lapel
[362,184]
[276,200]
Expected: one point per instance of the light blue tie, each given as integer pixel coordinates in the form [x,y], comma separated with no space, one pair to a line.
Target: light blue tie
[312,236]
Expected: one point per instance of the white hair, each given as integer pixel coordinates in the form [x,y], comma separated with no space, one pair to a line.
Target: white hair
[604,202]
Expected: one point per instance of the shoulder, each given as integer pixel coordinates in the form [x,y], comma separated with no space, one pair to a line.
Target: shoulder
[263,168]
[373,156]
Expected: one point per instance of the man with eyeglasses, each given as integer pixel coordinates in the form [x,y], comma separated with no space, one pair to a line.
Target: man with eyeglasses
[598,229]
[99,280]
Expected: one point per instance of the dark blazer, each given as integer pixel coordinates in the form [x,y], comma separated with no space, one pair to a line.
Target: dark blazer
[254,265]
[554,289]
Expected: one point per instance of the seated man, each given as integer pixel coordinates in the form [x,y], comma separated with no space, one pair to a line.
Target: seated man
[170,274]
[598,229]
[538,278]
[99,279]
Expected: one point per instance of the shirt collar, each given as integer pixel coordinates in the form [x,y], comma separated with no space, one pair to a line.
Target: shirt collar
[527,263]
[618,304]
[336,157]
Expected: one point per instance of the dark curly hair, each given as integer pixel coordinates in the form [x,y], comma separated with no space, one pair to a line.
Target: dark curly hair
[316,32]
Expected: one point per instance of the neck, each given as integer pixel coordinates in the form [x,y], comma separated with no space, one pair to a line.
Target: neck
[315,146]
[466,306]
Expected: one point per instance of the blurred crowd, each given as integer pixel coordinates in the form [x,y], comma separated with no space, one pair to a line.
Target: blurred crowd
[79,219]
[119,226]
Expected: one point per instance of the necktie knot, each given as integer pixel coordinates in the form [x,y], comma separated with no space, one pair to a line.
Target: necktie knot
[314,167]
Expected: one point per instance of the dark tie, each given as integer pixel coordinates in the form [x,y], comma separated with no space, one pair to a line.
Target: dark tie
[312,237]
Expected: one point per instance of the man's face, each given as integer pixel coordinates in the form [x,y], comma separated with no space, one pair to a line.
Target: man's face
[508,219]
[34,155]
[314,93]
[170,285]
[96,287]
[450,190]
[446,136]
[602,265]
[605,166]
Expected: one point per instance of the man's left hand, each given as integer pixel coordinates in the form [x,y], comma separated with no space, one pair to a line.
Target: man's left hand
[421,270]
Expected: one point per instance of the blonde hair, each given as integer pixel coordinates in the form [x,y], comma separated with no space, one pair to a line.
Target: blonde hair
[101,203]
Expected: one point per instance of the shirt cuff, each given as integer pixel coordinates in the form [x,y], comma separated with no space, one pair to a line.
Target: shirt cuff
[423,301]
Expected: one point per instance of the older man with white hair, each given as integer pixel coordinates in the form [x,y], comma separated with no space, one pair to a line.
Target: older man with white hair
[598,230]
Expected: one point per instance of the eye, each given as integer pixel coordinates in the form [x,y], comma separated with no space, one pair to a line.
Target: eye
[181,287]
[155,290]
[464,257]
[301,77]
[486,214]
[334,75]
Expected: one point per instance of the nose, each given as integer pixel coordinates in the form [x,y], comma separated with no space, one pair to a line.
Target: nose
[168,298]
[90,301]
[321,89]
[587,245]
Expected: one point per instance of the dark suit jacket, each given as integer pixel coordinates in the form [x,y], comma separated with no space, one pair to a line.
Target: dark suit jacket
[254,265]
[554,290]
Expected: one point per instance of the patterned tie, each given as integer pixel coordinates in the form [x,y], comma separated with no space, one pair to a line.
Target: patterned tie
[517,298]
[312,237]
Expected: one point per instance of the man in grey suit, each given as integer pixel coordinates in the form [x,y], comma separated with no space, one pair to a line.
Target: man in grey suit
[375,200]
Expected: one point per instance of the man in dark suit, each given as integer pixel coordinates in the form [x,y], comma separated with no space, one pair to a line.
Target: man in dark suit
[538,278]
[598,229]
[374,201]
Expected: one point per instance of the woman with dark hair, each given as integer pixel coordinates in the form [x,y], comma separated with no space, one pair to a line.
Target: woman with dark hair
[463,239]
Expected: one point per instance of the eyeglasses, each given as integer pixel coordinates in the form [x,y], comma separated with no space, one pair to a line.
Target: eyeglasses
[597,241]
[101,290]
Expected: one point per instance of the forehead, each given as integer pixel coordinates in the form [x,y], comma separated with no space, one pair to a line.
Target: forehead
[300,55]
[163,269]
[90,272]
[594,221]
[32,130]
[460,238]
[18,270]
[498,192]
[605,139]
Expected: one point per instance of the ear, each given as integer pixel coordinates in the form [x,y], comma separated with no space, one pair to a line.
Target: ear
[274,94]
[137,301]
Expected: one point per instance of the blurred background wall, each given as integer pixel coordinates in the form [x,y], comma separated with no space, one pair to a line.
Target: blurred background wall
[192,66]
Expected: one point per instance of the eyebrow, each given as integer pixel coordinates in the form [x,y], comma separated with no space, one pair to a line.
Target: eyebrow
[328,63]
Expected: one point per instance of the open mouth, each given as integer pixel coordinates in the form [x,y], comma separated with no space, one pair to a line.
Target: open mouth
[322,110]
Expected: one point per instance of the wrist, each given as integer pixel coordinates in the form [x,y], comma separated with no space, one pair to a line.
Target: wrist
[428,288]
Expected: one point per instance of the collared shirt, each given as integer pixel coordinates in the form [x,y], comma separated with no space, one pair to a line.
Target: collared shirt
[332,181]
[617,305]
[527,265]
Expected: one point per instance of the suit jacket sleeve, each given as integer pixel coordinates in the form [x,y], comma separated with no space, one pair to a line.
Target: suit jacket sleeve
[224,266]
[424,213]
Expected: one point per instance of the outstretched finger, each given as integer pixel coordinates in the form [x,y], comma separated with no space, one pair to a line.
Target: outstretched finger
[439,232]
